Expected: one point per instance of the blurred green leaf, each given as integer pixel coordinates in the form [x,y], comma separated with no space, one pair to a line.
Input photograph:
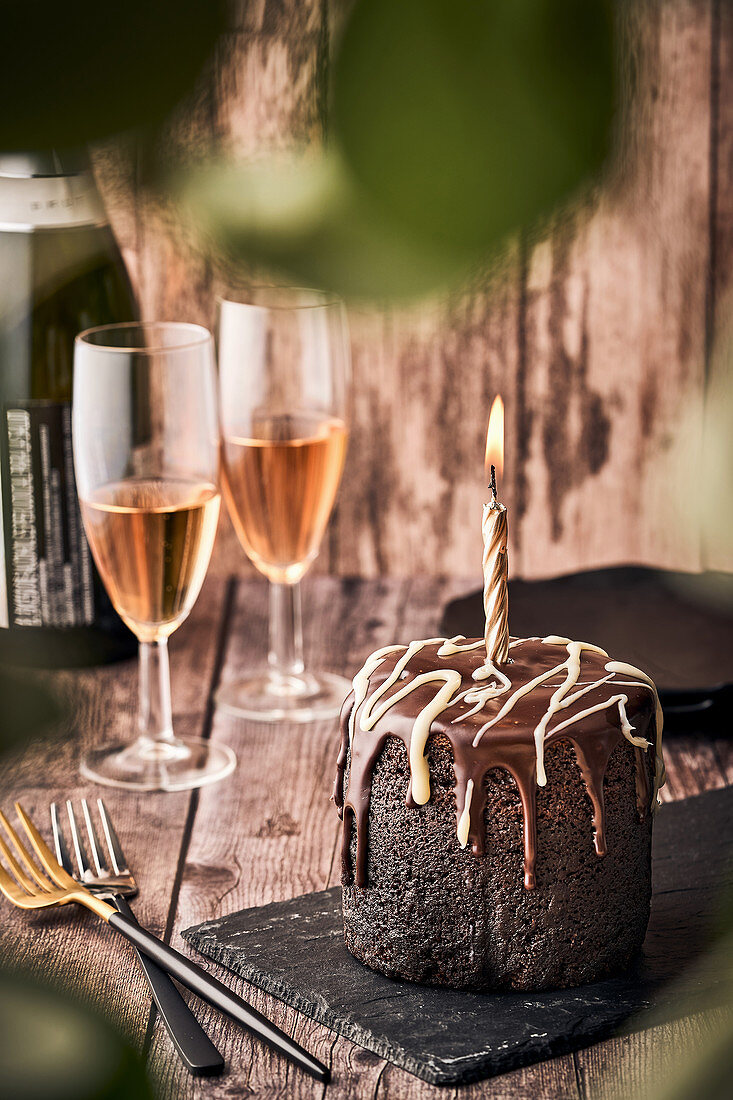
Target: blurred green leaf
[465,120]
[74,73]
[455,124]
[55,1049]
[305,218]
[706,1074]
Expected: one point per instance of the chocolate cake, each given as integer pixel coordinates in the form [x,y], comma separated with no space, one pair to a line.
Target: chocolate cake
[497,820]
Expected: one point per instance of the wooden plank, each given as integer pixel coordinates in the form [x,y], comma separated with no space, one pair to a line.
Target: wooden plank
[269,832]
[615,327]
[115,170]
[553,1080]
[285,18]
[721,193]
[70,947]
[268,87]
[423,383]
[693,765]
[175,281]
[716,482]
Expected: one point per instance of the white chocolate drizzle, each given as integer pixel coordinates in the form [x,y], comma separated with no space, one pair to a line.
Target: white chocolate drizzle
[487,671]
[660,773]
[421,728]
[464,821]
[449,681]
[360,683]
[458,644]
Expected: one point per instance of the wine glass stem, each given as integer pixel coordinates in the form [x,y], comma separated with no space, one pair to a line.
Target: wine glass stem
[285,657]
[156,719]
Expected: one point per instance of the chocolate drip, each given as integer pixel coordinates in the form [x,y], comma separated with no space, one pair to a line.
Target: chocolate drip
[427,688]
[592,756]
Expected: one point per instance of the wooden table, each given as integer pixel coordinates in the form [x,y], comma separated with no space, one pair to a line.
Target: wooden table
[267,833]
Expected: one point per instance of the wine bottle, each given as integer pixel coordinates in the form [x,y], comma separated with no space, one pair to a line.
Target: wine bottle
[61,271]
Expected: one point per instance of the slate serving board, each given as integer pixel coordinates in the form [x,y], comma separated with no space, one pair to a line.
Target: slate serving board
[294,950]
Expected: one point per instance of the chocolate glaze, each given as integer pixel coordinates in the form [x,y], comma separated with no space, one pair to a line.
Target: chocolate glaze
[509,744]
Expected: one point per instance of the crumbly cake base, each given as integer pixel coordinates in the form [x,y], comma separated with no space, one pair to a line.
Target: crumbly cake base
[438,914]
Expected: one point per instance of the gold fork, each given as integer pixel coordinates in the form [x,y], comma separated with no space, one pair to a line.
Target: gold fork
[29,888]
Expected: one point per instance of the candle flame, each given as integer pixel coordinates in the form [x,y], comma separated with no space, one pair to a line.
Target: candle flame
[495,438]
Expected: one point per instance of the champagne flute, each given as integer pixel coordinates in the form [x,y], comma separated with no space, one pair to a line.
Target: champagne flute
[284,371]
[146,454]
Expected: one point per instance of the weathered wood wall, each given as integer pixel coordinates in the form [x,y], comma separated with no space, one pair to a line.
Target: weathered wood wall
[606,338]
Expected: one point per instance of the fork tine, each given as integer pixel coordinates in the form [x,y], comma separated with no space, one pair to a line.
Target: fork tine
[82,860]
[12,891]
[23,879]
[55,870]
[93,838]
[37,899]
[113,843]
[28,862]
[59,842]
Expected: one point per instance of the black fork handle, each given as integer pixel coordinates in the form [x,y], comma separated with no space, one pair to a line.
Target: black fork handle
[211,990]
[194,1046]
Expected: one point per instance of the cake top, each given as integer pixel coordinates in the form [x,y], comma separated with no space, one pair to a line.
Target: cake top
[550,689]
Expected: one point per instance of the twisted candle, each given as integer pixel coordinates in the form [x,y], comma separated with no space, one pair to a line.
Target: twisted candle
[495,564]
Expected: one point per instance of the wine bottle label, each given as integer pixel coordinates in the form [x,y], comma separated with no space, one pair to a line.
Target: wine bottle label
[48,203]
[45,564]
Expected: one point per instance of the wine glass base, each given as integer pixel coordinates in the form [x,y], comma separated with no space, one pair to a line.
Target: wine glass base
[182,765]
[268,698]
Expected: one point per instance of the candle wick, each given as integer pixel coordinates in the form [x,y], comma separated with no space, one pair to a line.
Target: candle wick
[492,484]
